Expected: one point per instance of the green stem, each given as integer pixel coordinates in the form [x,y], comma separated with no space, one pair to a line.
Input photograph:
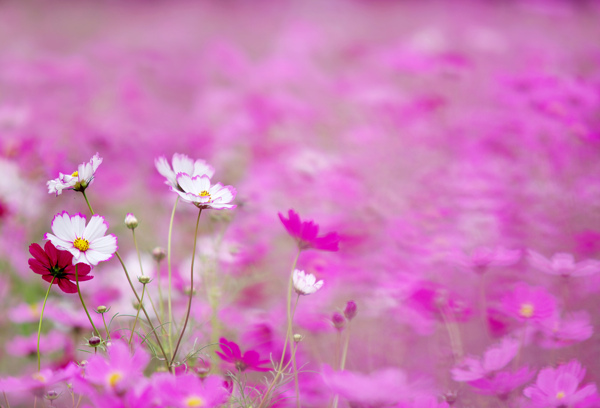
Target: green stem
[6,399]
[346,343]
[156,314]
[40,325]
[161,307]
[189,306]
[83,303]
[106,327]
[138,251]
[137,314]
[169,272]
[134,292]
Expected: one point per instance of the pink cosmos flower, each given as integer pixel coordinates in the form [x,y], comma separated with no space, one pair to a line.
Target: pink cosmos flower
[198,191]
[188,391]
[502,383]
[79,180]
[305,283]
[119,371]
[40,381]
[27,346]
[182,164]
[58,265]
[559,387]
[231,353]
[483,257]
[563,264]
[88,244]
[495,358]
[567,330]
[305,233]
[528,303]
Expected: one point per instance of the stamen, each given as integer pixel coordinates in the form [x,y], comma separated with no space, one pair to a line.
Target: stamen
[560,395]
[526,310]
[81,244]
[114,378]
[75,174]
[194,402]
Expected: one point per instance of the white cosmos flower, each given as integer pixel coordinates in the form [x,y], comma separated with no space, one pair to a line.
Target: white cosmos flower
[305,283]
[198,190]
[182,164]
[79,180]
[88,244]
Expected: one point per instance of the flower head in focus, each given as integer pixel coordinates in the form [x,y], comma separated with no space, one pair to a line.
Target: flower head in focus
[559,387]
[231,353]
[79,180]
[305,283]
[182,164]
[52,263]
[305,233]
[198,191]
[87,244]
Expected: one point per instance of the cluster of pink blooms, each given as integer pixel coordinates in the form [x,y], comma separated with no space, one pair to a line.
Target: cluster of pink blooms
[162,164]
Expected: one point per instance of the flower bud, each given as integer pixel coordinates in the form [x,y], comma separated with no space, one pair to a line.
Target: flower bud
[144,279]
[338,321]
[350,310]
[159,254]
[51,395]
[130,221]
[298,338]
[101,309]
[95,341]
[137,305]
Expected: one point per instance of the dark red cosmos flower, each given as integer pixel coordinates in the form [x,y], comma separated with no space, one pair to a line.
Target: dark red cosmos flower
[232,354]
[305,233]
[53,263]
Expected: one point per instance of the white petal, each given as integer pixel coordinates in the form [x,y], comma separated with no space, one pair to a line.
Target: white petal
[95,257]
[62,227]
[202,168]
[96,228]
[182,164]
[164,169]
[78,224]
[186,183]
[106,245]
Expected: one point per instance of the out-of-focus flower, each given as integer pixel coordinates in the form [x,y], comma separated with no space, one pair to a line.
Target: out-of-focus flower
[563,264]
[482,258]
[188,391]
[527,303]
[338,321]
[495,358]
[182,164]
[198,191]
[27,346]
[350,310]
[503,382]
[305,283]
[231,353]
[559,387]
[567,330]
[38,382]
[79,180]
[88,244]
[305,233]
[58,265]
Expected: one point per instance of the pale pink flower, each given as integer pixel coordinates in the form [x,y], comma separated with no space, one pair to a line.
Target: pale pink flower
[567,330]
[88,244]
[528,303]
[198,191]
[495,358]
[182,164]
[563,264]
[305,283]
[79,180]
[483,257]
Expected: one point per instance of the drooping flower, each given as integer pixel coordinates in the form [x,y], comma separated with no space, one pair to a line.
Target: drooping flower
[559,387]
[87,244]
[305,233]
[563,264]
[198,191]
[231,353]
[528,303]
[305,283]
[58,265]
[182,164]
[79,180]
[482,258]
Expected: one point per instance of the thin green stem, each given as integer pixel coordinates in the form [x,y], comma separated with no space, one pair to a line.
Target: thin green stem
[137,315]
[156,314]
[83,303]
[88,202]
[40,325]
[161,307]
[189,306]
[6,399]
[106,327]
[138,251]
[346,344]
[170,337]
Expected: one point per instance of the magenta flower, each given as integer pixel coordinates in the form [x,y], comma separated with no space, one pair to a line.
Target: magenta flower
[188,391]
[305,233]
[232,354]
[502,383]
[562,264]
[528,303]
[567,330]
[559,387]
[495,358]
[58,265]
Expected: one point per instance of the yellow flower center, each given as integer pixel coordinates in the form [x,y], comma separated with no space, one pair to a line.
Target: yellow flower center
[75,174]
[204,193]
[81,244]
[113,378]
[560,395]
[38,377]
[194,402]
[526,310]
